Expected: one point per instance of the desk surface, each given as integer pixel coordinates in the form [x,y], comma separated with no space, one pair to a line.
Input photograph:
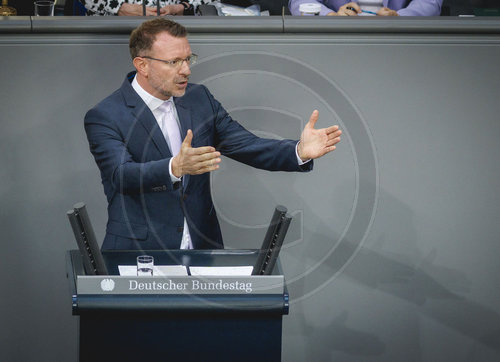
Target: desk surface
[181,257]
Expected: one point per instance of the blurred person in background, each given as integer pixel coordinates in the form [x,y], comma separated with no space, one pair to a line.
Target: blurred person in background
[372,7]
[135,7]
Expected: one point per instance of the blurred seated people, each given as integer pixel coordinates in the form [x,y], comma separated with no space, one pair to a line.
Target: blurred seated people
[134,7]
[372,7]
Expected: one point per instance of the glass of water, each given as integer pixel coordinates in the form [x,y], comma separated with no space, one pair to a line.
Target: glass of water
[145,265]
[44,8]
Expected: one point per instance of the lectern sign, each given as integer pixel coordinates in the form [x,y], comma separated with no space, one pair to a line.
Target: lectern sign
[180,285]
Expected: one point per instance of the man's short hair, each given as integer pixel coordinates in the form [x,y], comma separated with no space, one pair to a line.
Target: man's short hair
[143,37]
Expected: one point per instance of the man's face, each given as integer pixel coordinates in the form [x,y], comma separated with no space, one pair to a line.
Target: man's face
[164,80]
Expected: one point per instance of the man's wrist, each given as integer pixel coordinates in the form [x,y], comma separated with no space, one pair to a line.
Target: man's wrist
[299,159]
[173,170]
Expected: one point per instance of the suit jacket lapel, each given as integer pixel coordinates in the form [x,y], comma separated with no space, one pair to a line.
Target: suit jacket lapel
[146,118]
[184,116]
[143,114]
[185,122]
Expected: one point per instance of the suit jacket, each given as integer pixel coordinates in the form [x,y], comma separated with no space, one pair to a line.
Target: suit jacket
[403,7]
[145,209]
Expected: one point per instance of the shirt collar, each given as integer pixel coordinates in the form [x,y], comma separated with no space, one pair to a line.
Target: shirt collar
[151,101]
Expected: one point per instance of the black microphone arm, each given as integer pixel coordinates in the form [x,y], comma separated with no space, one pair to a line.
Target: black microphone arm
[273,241]
[85,238]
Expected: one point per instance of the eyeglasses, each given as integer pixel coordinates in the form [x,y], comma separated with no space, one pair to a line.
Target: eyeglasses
[176,63]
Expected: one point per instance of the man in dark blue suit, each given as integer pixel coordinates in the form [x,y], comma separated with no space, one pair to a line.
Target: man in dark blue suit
[157,138]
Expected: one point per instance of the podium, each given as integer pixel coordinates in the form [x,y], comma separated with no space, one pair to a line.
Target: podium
[181,318]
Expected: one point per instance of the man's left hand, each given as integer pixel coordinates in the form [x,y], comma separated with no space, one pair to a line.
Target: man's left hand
[315,143]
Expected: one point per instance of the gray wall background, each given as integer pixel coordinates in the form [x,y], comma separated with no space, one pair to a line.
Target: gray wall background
[393,252]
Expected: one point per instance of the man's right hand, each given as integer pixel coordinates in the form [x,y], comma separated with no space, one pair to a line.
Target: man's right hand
[194,161]
[135,10]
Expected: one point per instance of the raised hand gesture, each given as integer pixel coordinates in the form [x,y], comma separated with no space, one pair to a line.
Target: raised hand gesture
[315,143]
[194,161]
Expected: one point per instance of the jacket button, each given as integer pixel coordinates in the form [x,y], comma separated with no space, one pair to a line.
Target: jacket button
[184,197]
[180,229]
